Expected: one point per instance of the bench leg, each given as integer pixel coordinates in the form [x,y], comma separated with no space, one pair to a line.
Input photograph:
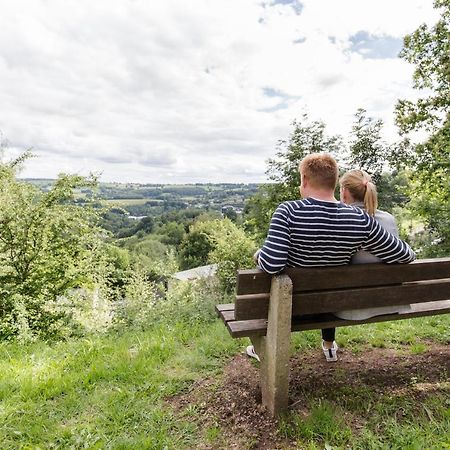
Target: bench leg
[273,349]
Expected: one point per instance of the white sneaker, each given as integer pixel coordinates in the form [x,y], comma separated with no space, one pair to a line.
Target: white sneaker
[330,353]
[251,352]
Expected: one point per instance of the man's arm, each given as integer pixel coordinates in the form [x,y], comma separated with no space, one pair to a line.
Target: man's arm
[274,253]
[389,248]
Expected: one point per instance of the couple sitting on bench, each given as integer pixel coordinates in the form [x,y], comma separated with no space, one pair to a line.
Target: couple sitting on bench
[322,231]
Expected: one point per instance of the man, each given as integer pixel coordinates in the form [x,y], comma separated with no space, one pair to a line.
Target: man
[321,231]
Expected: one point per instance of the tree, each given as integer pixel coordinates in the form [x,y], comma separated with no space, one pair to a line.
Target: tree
[367,150]
[429,50]
[196,245]
[307,137]
[48,245]
[219,242]
[231,250]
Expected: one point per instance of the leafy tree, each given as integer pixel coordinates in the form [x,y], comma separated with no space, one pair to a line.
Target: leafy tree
[117,222]
[393,188]
[197,245]
[367,150]
[172,233]
[219,242]
[230,213]
[232,250]
[307,137]
[145,224]
[48,245]
[429,50]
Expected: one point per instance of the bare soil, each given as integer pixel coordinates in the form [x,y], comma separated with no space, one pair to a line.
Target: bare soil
[232,402]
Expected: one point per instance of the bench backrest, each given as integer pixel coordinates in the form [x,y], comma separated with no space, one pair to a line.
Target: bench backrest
[330,289]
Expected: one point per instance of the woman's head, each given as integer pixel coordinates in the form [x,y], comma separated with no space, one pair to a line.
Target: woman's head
[356,185]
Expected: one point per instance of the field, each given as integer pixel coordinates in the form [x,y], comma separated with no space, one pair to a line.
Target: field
[122,202]
[188,385]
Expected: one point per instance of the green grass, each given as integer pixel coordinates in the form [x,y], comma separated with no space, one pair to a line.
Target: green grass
[111,392]
[105,392]
[121,202]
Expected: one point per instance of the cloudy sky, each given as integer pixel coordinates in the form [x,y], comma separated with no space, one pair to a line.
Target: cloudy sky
[192,91]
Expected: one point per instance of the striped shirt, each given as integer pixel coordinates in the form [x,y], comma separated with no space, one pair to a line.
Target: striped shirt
[310,233]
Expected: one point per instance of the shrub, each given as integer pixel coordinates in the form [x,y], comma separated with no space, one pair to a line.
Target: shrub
[49,244]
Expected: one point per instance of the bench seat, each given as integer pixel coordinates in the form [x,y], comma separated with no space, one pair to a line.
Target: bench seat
[258,327]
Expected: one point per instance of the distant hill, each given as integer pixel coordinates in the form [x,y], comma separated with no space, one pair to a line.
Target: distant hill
[151,199]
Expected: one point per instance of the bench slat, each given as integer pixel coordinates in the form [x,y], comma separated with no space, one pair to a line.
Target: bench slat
[255,281]
[257,307]
[258,327]
[227,316]
[224,307]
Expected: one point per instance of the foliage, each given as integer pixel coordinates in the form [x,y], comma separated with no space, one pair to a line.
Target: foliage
[232,250]
[140,297]
[189,302]
[307,137]
[48,245]
[258,212]
[219,242]
[429,50]
[171,233]
[197,244]
[393,190]
[117,222]
[230,213]
[367,151]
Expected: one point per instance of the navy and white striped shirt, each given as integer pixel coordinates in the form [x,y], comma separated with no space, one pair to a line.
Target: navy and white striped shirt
[310,232]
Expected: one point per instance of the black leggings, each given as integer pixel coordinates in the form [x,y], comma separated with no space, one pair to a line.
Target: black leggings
[328,334]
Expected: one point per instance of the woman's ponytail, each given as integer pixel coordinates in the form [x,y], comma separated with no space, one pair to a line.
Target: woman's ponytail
[370,198]
[360,186]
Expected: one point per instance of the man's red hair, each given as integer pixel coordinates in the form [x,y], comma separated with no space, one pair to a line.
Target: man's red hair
[321,169]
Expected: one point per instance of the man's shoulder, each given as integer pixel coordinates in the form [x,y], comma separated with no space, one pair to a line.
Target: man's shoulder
[291,206]
[293,203]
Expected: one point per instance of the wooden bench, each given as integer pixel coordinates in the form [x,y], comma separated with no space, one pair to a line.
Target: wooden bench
[268,308]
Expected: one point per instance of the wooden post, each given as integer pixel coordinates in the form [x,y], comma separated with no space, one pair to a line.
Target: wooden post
[273,349]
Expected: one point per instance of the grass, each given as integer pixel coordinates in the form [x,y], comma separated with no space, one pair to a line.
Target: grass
[105,392]
[120,202]
[110,392]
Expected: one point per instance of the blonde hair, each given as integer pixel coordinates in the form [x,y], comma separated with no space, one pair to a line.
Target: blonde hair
[361,188]
[321,170]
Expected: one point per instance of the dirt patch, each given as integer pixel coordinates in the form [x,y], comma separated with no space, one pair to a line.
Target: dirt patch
[232,403]
[380,370]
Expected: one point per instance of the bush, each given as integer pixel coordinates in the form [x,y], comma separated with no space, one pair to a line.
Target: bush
[232,250]
[50,244]
[184,301]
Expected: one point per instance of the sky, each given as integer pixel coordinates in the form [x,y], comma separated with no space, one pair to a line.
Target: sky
[195,91]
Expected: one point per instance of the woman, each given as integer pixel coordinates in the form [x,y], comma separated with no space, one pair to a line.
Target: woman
[357,189]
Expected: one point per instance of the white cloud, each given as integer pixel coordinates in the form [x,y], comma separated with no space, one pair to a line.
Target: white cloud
[169,91]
